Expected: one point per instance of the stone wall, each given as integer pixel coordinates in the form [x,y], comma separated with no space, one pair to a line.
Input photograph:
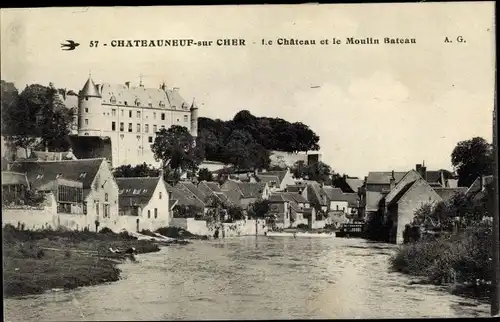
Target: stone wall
[238,228]
[31,218]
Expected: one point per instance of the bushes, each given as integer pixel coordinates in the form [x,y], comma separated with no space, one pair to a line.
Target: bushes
[460,258]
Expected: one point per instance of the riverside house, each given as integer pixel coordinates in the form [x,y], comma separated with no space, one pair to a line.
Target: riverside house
[243,194]
[291,209]
[276,180]
[145,198]
[99,188]
[400,204]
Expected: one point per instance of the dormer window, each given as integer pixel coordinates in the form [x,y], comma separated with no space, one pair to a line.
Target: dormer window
[112,100]
[127,190]
[120,191]
[162,104]
[82,175]
[137,191]
[137,102]
[40,176]
[144,190]
[58,175]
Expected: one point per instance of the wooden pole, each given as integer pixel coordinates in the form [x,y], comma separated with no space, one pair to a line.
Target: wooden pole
[495,296]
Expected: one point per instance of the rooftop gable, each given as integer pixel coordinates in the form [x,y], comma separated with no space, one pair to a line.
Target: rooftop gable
[384,177]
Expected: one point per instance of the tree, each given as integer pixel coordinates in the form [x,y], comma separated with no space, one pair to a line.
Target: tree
[205,175]
[175,149]
[216,208]
[259,209]
[318,171]
[141,170]
[37,115]
[472,158]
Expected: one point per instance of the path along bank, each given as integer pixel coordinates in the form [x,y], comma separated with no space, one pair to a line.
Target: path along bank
[38,261]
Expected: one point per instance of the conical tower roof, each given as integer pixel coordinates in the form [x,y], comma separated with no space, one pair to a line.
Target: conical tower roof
[89,89]
[194,105]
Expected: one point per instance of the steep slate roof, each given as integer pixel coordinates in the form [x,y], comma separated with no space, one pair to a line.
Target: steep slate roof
[168,98]
[295,197]
[401,184]
[383,177]
[83,170]
[334,194]
[401,192]
[184,197]
[354,184]
[136,191]
[269,178]
[316,193]
[448,193]
[197,192]
[90,89]
[279,174]
[251,189]
[233,196]
[14,178]
[372,200]
[295,188]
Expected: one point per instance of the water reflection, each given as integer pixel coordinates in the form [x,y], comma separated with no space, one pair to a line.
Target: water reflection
[252,278]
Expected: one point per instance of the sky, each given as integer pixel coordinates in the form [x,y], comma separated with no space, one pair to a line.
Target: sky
[375,107]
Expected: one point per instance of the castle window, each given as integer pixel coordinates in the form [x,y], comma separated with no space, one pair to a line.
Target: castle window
[129,113]
[106,196]
[112,100]
[138,127]
[150,104]
[149,213]
[156,213]
[125,103]
[146,128]
[150,139]
[163,116]
[159,195]
[122,127]
[185,118]
[155,129]
[154,115]
[138,114]
[113,126]
[177,120]
[113,112]
[86,121]
[137,102]
[86,110]
[130,127]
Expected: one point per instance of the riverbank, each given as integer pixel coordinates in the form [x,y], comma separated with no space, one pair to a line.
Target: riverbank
[38,261]
[461,262]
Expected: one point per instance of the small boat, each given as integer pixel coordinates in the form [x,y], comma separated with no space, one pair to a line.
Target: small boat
[300,234]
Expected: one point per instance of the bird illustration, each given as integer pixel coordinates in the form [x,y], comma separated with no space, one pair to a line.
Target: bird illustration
[71,45]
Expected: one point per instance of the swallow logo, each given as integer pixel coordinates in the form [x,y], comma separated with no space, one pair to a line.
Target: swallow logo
[70,45]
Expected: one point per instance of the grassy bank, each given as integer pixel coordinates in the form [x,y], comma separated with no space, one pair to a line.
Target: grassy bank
[37,261]
[461,261]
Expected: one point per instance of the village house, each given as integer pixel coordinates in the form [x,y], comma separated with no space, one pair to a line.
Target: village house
[243,194]
[290,209]
[213,189]
[276,180]
[146,198]
[181,196]
[99,188]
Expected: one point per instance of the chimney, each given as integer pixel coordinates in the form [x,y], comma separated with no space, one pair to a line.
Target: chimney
[392,181]
[127,84]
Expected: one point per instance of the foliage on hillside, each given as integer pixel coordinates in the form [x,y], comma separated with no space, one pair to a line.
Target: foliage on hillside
[246,140]
[36,116]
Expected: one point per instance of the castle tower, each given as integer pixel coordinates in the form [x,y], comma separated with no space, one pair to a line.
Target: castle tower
[194,119]
[89,110]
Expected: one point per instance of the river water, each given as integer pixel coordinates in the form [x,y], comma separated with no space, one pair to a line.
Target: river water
[251,278]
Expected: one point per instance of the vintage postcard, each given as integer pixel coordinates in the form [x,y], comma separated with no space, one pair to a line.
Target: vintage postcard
[249,162]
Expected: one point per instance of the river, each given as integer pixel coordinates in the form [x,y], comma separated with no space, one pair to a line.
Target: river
[251,278]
